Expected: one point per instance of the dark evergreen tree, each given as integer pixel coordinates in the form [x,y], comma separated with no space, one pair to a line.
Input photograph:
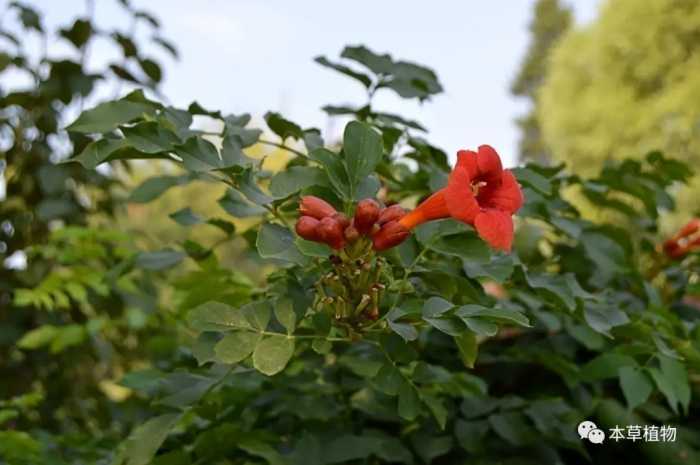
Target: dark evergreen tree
[551,19]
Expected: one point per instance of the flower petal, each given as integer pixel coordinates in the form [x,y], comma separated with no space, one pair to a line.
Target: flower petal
[506,197]
[467,159]
[496,228]
[459,196]
[489,162]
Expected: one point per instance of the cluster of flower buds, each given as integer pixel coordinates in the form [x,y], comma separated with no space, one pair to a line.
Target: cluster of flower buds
[686,240]
[352,290]
[320,222]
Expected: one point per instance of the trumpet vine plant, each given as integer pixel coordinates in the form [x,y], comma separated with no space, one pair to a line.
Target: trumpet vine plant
[418,306]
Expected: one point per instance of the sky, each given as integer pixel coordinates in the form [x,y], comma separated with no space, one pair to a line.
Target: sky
[251,56]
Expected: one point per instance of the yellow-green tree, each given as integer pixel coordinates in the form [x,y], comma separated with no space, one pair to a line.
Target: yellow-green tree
[626,84]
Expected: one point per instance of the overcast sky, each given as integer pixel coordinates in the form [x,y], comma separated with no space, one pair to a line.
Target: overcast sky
[256,55]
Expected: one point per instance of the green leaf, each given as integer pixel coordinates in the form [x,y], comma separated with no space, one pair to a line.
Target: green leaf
[495,313]
[335,171]
[145,440]
[468,348]
[312,249]
[283,127]
[636,385]
[150,137]
[107,116]
[363,150]
[672,381]
[405,330]
[152,69]
[388,379]
[199,154]
[236,346]
[216,316]
[438,409]
[203,348]
[606,366]
[159,260]
[235,205]
[97,152]
[153,188]
[277,242]
[512,427]
[481,327]
[37,337]
[470,434]
[185,217]
[603,318]
[533,179]
[363,78]
[248,185]
[436,306]
[284,312]
[294,179]
[272,354]
[409,403]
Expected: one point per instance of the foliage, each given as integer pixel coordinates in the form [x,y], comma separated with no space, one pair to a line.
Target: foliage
[72,316]
[460,353]
[474,355]
[551,20]
[625,85]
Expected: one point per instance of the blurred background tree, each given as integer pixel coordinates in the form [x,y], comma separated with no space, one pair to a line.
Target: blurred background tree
[73,313]
[626,84]
[550,21]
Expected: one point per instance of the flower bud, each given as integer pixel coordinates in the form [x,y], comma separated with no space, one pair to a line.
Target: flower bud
[392,213]
[342,219]
[390,235]
[366,214]
[351,234]
[316,208]
[331,232]
[307,228]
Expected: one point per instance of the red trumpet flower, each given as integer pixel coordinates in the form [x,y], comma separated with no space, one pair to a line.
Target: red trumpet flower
[686,240]
[480,193]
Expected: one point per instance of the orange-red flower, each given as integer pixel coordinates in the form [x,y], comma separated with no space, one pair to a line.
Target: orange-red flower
[479,192]
[686,240]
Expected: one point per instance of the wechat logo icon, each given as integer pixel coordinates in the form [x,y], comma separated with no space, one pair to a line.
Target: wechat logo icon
[589,430]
